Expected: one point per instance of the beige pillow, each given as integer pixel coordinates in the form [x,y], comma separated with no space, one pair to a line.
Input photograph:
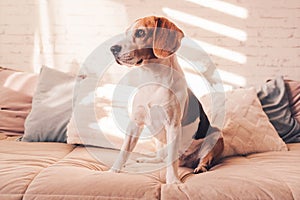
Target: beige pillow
[16,91]
[93,121]
[246,128]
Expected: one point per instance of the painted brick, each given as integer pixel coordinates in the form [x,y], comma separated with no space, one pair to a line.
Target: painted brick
[75,28]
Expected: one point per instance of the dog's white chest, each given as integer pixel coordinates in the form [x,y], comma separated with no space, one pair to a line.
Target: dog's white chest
[167,93]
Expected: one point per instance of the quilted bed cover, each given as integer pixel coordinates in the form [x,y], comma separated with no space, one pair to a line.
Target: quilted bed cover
[61,171]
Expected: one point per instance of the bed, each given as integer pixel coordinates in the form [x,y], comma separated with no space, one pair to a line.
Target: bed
[63,171]
[70,170]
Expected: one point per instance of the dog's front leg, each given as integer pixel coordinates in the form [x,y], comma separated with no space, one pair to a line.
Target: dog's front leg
[133,133]
[173,137]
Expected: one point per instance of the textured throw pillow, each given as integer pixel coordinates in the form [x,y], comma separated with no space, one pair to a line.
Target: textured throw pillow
[16,91]
[293,92]
[246,128]
[275,103]
[98,121]
[51,107]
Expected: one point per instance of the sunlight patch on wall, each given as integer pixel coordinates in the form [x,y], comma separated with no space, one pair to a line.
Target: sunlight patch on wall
[46,46]
[206,24]
[222,52]
[86,28]
[232,78]
[199,84]
[36,62]
[223,7]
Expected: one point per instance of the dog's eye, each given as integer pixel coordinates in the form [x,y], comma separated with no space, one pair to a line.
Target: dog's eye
[140,33]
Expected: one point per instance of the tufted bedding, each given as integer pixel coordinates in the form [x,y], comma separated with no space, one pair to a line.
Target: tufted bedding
[63,171]
[52,162]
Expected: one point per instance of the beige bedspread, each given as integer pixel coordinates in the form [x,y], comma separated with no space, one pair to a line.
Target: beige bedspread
[62,171]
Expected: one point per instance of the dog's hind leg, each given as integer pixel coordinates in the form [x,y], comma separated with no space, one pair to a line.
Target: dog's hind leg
[210,152]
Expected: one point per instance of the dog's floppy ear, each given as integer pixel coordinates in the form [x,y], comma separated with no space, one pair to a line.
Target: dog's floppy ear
[166,38]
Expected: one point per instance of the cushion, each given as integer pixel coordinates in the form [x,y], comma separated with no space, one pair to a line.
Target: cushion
[275,103]
[94,121]
[293,92]
[16,91]
[51,107]
[246,128]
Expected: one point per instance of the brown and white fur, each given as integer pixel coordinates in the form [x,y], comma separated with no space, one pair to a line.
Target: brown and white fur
[150,43]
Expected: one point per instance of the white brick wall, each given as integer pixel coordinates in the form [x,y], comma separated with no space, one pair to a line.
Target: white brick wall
[63,33]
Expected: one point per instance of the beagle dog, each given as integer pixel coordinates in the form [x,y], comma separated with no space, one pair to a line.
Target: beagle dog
[165,103]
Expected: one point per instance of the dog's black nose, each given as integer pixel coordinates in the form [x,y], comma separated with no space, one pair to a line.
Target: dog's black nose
[115,49]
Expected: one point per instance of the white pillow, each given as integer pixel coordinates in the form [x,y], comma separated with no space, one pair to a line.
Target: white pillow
[96,122]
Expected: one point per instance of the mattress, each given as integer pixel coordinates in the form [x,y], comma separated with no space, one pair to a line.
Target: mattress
[63,171]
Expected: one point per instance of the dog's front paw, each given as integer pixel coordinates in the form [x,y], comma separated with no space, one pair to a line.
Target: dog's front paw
[201,168]
[149,160]
[114,170]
